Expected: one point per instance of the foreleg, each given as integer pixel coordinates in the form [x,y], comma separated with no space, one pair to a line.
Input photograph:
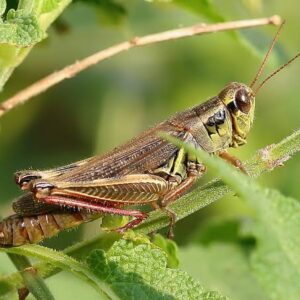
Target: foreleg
[233,160]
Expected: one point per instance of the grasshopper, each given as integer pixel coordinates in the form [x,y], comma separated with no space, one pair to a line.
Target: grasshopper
[146,170]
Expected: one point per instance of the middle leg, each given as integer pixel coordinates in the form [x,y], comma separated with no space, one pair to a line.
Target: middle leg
[194,171]
[233,160]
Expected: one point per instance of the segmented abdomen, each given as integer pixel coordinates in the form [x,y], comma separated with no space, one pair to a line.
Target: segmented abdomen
[18,230]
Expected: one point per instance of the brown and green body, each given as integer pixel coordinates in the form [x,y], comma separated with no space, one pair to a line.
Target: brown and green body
[146,170]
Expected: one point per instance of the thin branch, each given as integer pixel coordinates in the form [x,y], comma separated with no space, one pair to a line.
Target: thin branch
[73,69]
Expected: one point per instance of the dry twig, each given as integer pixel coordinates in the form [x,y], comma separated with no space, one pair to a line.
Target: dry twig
[73,69]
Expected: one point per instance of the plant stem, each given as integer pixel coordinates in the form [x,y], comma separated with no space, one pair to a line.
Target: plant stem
[73,69]
[33,282]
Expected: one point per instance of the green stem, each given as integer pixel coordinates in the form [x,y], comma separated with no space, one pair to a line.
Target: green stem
[33,282]
[264,160]
[63,262]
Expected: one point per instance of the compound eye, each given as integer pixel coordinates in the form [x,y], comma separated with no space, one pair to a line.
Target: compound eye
[28,178]
[242,101]
[24,180]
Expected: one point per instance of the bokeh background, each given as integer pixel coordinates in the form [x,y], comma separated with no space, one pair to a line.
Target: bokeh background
[117,99]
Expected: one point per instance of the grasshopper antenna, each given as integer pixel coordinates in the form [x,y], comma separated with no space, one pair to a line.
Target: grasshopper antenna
[261,68]
[275,72]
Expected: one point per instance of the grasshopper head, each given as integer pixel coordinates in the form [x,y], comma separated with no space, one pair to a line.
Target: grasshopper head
[240,102]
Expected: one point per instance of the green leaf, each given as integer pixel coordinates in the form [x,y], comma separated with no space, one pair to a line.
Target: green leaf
[224,267]
[50,5]
[169,247]
[137,269]
[223,249]
[63,261]
[274,270]
[132,260]
[112,222]
[2,7]
[281,216]
[225,231]
[10,283]
[276,261]
[20,29]
[278,221]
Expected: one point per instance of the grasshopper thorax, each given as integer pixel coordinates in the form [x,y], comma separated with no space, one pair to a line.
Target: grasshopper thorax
[240,102]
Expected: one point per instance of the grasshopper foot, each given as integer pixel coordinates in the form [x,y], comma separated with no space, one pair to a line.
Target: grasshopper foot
[233,160]
[135,222]
[172,217]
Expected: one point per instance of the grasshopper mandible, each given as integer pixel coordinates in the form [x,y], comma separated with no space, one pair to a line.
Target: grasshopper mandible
[146,170]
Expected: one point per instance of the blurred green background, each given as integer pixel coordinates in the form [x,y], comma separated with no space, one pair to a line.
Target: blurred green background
[106,105]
